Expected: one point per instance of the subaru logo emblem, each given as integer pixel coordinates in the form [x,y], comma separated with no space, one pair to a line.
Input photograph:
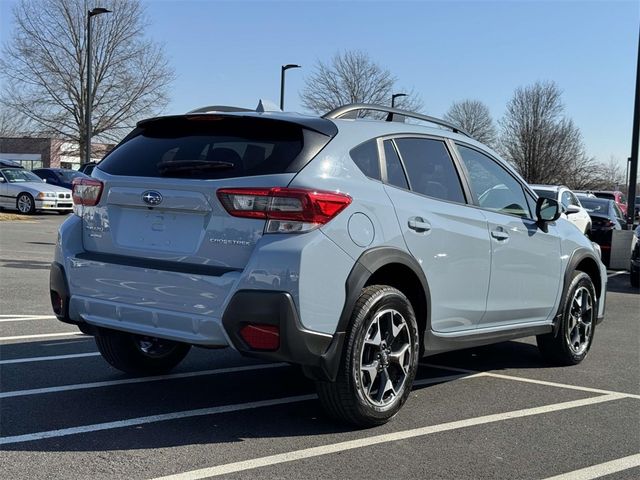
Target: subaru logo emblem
[151,197]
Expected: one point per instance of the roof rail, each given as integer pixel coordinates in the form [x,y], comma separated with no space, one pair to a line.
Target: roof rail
[220,108]
[357,107]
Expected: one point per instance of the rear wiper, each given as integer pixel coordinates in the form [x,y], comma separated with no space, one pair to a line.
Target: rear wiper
[192,165]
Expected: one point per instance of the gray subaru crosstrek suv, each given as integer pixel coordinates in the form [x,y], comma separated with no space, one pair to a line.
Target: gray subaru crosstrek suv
[350,247]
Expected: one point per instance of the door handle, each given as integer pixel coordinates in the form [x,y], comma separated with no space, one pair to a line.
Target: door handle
[500,234]
[419,224]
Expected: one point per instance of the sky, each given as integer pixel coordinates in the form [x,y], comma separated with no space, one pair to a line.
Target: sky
[230,52]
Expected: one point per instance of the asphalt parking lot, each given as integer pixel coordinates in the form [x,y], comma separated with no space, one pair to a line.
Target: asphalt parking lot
[492,412]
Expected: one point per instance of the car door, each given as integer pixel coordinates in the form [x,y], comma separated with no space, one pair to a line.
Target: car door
[449,238]
[525,260]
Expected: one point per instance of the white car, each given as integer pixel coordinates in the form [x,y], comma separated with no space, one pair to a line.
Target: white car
[570,205]
[24,191]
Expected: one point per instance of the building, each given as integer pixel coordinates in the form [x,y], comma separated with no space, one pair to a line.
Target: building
[43,152]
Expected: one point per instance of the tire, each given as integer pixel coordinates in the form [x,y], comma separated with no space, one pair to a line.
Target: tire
[574,336]
[357,395]
[139,355]
[25,204]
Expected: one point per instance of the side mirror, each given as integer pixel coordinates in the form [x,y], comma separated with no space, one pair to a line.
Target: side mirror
[1,179]
[547,209]
[572,209]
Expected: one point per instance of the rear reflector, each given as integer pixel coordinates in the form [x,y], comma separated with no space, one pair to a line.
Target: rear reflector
[261,336]
[86,191]
[287,210]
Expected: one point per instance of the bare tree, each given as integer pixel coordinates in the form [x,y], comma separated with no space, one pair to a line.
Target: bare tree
[44,66]
[544,145]
[475,118]
[12,124]
[353,77]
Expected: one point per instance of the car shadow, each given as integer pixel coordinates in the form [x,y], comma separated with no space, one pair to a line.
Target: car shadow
[25,264]
[298,418]
[621,284]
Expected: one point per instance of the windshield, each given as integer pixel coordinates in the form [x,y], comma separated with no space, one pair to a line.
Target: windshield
[17,175]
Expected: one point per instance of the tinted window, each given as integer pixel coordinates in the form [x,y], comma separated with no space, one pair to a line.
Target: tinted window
[596,205]
[430,168]
[395,173]
[546,194]
[365,157]
[207,148]
[492,185]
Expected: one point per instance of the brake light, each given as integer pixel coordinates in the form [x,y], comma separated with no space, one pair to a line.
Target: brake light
[86,191]
[287,210]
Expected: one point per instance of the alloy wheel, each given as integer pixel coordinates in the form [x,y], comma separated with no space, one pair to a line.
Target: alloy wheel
[24,204]
[580,322]
[385,358]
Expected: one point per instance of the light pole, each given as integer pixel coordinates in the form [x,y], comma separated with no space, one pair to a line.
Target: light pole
[394,96]
[87,120]
[283,69]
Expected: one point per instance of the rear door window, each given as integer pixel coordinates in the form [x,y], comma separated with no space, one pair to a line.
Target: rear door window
[208,148]
[430,168]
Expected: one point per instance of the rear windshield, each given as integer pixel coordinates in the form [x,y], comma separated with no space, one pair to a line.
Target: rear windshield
[596,205]
[69,175]
[207,148]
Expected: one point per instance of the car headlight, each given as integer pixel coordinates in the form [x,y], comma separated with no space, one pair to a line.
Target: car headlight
[43,195]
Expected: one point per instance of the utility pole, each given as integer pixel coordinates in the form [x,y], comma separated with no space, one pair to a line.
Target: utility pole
[635,140]
[283,69]
[87,120]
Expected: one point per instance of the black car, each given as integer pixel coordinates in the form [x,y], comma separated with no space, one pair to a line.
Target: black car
[58,176]
[634,267]
[606,217]
[87,168]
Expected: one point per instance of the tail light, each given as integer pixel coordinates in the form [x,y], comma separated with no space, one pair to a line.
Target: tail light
[86,191]
[287,210]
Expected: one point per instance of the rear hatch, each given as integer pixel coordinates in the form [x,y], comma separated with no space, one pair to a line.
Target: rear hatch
[159,206]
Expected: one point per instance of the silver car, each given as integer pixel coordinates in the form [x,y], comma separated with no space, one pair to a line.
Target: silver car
[24,191]
[351,248]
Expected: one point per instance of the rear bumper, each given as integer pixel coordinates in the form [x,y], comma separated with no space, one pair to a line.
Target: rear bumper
[87,312]
[316,352]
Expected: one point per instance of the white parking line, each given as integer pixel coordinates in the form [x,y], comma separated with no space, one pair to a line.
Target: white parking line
[597,471]
[378,439]
[531,380]
[615,274]
[26,319]
[96,427]
[127,381]
[14,315]
[41,335]
[48,358]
